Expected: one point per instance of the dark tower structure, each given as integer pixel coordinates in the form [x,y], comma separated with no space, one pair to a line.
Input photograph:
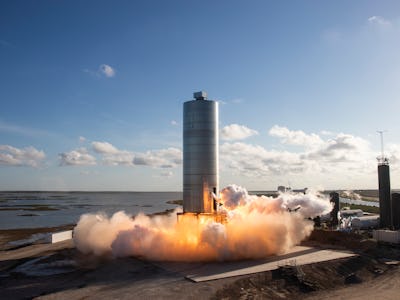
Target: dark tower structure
[334,213]
[396,210]
[385,203]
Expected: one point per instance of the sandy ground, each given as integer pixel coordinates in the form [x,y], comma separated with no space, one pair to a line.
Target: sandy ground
[95,278]
[59,271]
[384,287]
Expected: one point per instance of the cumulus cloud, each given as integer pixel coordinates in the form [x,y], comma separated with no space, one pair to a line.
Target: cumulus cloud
[112,155]
[255,160]
[164,158]
[344,147]
[78,157]
[295,137]
[29,156]
[107,70]
[236,132]
[122,158]
[313,156]
[104,148]
[393,153]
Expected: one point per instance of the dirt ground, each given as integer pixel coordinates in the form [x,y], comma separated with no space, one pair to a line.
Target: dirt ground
[61,272]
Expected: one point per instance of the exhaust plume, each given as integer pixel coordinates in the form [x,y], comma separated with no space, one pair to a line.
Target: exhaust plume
[256,227]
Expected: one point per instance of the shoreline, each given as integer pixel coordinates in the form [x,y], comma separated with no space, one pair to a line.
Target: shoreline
[7,236]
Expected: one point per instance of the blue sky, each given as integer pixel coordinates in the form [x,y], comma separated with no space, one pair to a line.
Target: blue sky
[91,91]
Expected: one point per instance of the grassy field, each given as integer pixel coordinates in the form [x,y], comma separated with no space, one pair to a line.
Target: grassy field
[365,208]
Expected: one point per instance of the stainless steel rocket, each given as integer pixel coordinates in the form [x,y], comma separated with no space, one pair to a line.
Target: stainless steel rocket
[200,154]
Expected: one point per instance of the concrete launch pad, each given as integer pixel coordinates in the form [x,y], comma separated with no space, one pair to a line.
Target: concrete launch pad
[298,255]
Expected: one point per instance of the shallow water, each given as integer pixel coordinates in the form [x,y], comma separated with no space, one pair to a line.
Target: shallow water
[47,209]
[359,202]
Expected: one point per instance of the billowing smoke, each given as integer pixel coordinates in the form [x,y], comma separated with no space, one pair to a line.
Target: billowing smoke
[351,195]
[255,227]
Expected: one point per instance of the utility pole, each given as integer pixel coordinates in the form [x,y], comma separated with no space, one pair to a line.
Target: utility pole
[382,158]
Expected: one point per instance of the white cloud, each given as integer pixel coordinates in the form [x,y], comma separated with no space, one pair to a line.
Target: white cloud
[29,156]
[103,70]
[106,70]
[255,160]
[164,158]
[236,132]
[393,153]
[78,157]
[379,20]
[343,155]
[295,137]
[104,148]
[174,123]
[122,158]
[82,139]
[111,155]
[344,147]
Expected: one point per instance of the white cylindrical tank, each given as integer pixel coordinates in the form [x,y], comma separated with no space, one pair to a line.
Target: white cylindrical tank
[200,154]
[365,222]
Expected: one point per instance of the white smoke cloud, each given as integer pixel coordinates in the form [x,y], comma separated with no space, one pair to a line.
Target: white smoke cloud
[256,227]
[309,205]
[29,156]
[77,157]
[352,195]
[237,132]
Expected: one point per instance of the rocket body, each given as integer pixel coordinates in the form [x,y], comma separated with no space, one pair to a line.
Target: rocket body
[200,154]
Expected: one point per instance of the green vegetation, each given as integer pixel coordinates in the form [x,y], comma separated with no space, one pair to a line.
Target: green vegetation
[365,208]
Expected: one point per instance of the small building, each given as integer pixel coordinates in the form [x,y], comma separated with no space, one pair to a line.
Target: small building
[388,236]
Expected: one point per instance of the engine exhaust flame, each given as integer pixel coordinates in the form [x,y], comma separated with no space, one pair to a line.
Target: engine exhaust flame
[256,227]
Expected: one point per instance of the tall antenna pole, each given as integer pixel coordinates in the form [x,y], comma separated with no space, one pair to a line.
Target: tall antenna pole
[382,158]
